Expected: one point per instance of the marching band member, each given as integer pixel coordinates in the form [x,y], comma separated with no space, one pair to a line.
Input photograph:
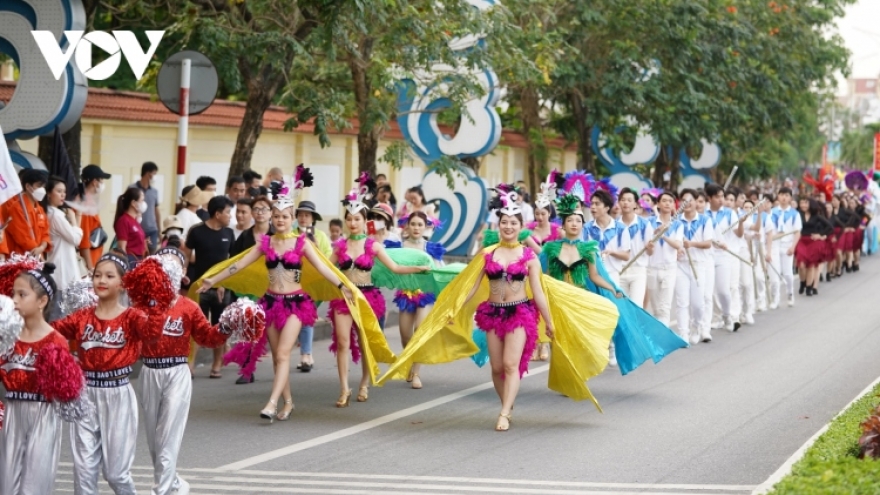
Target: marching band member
[635,280]
[721,218]
[787,225]
[662,265]
[693,268]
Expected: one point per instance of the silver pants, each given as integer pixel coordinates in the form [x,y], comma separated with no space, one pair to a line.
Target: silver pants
[165,394]
[106,441]
[30,444]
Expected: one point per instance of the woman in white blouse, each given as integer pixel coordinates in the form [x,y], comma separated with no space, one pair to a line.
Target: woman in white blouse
[64,233]
[191,199]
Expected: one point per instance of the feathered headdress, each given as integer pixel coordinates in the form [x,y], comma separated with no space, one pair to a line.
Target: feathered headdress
[825,186]
[505,201]
[579,184]
[282,195]
[606,185]
[856,180]
[550,189]
[653,192]
[568,204]
[359,197]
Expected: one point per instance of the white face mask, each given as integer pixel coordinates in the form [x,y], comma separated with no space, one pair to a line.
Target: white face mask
[100,188]
[379,224]
[172,232]
[142,207]
[39,193]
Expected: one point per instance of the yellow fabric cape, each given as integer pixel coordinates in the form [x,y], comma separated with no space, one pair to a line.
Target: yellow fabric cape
[583,324]
[253,280]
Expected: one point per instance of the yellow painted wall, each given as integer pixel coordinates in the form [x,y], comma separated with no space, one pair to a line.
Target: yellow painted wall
[120,147]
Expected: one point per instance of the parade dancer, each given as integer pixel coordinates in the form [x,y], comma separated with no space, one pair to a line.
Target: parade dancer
[414,305]
[296,273]
[545,229]
[787,225]
[721,218]
[811,250]
[693,267]
[638,335]
[580,322]
[355,257]
[634,281]
[109,338]
[166,384]
[662,266]
[30,435]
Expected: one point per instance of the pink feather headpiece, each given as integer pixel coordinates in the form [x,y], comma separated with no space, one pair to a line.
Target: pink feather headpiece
[550,189]
[283,196]
[357,199]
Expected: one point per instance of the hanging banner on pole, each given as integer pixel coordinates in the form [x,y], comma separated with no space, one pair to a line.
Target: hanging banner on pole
[877,151]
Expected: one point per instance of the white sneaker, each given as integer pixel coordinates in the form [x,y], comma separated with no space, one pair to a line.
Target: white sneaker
[761,309]
[790,300]
[748,320]
[612,357]
[775,305]
[706,337]
[695,337]
[728,324]
[182,487]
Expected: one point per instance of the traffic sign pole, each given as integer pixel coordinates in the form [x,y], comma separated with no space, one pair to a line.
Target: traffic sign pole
[183,123]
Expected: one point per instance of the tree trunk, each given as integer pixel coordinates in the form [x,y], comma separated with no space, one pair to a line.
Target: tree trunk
[660,166]
[368,132]
[474,163]
[675,168]
[533,129]
[72,142]
[262,88]
[584,133]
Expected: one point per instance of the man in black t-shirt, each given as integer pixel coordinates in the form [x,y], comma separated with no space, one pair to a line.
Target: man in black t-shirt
[210,243]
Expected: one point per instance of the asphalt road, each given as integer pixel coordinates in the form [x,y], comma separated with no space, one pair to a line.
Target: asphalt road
[716,418]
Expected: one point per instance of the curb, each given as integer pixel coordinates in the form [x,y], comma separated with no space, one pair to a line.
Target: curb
[785,469]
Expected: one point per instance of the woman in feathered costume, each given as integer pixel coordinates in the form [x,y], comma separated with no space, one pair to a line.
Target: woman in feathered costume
[293,275]
[355,256]
[543,228]
[638,336]
[504,291]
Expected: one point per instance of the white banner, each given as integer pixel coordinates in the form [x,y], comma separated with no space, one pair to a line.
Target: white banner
[10,186]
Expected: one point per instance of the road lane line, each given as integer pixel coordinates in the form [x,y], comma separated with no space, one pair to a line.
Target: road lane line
[785,468]
[279,477]
[347,432]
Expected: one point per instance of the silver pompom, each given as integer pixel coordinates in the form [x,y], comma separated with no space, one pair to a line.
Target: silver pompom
[75,410]
[78,295]
[10,324]
[244,321]
[173,269]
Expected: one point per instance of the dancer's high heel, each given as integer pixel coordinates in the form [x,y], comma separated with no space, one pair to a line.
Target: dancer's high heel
[363,394]
[270,413]
[499,426]
[285,415]
[344,399]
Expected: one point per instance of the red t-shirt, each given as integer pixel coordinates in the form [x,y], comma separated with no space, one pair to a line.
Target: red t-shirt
[18,367]
[182,321]
[129,230]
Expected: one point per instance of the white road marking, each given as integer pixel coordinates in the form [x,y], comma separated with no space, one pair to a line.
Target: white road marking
[347,432]
[783,470]
[252,478]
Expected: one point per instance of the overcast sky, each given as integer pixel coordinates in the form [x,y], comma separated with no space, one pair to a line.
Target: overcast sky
[860,29]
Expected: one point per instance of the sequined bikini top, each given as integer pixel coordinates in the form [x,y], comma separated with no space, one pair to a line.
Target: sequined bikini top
[286,267]
[514,272]
[364,262]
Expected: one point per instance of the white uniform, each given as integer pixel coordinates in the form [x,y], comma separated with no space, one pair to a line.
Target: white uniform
[746,299]
[784,221]
[662,272]
[614,237]
[689,300]
[635,280]
[762,271]
[718,290]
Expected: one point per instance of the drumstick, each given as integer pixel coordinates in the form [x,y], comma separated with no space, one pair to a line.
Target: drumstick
[656,237]
[730,177]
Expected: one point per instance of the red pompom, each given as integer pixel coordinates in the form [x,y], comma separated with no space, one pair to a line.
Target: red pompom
[148,286]
[59,378]
[11,268]
[243,321]
[2,413]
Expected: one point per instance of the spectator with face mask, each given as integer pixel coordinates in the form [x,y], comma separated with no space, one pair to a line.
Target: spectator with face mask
[91,247]
[151,218]
[28,230]
[130,236]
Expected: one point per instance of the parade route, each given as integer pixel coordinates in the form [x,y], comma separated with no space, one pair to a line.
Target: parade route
[715,418]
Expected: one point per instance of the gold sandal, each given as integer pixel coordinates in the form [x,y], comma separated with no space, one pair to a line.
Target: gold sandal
[363,394]
[498,426]
[344,399]
[270,413]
